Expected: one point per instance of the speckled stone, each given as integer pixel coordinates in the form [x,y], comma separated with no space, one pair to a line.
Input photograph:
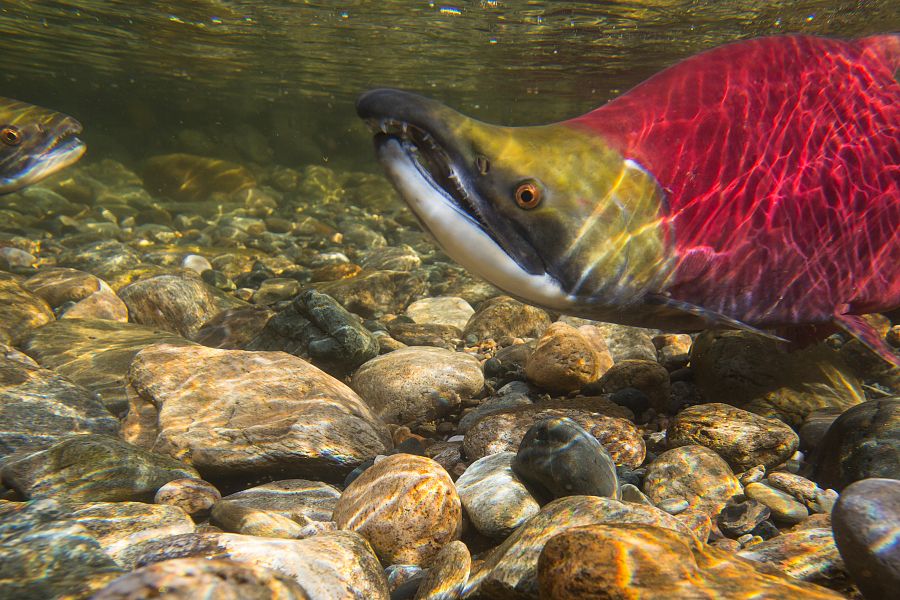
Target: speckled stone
[247,415]
[864,442]
[694,473]
[865,528]
[643,562]
[38,406]
[742,438]
[442,310]
[448,575]
[510,570]
[564,360]
[649,377]
[759,375]
[337,564]
[799,487]
[45,555]
[92,468]
[406,506]
[176,303]
[494,498]
[807,555]
[503,431]
[191,578]
[194,496]
[783,506]
[119,526]
[504,317]
[560,458]
[20,310]
[94,353]
[417,383]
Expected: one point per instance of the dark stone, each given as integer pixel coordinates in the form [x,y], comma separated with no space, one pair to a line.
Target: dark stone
[863,442]
[315,326]
[234,328]
[560,457]
[865,522]
[766,530]
[92,468]
[254,278]
[738,518]
[631,398]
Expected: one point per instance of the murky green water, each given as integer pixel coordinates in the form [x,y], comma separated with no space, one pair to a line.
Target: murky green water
[144,77]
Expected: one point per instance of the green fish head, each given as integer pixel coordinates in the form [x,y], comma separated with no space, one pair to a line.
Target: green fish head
[34,142]
[549,214]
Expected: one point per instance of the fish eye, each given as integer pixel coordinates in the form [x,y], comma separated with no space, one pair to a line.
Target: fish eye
[10,136]
[482,164]
[528,194]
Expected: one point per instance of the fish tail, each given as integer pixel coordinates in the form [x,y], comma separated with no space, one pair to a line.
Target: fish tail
[884,47]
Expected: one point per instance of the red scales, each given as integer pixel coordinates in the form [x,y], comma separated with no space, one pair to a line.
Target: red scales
[780,161]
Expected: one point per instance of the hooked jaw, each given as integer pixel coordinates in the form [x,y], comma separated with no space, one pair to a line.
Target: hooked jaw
[419,143]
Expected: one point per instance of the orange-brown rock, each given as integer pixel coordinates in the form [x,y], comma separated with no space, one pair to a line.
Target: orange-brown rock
[565,360]
[641,562]
[405,506]
[694,473]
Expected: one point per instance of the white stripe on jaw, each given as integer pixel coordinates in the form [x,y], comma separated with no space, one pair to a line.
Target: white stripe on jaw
[462,239]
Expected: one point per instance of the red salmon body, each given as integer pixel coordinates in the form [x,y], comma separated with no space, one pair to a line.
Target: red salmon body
[780,161]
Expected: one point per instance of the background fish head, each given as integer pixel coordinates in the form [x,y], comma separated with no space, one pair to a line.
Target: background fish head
[550,213]
[34,142]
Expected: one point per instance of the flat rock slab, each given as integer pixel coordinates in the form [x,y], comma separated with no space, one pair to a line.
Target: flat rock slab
[38,406]
[248,415]
[807,555]
[92,468]
[192,578]
[95,353]
[642,562]
[337,564]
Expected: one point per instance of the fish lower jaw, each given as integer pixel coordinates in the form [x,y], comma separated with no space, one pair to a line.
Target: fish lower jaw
[461,236]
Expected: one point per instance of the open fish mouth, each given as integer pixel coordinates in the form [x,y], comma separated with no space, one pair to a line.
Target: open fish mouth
[434,164]
[428,153]
[63,149]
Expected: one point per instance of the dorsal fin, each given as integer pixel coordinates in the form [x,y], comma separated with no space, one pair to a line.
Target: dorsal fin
[865,333]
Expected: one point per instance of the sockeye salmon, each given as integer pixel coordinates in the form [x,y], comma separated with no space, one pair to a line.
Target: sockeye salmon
[755,186]
[34,142]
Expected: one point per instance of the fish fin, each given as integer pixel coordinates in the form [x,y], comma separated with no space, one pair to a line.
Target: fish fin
[860,329]
[712,318]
